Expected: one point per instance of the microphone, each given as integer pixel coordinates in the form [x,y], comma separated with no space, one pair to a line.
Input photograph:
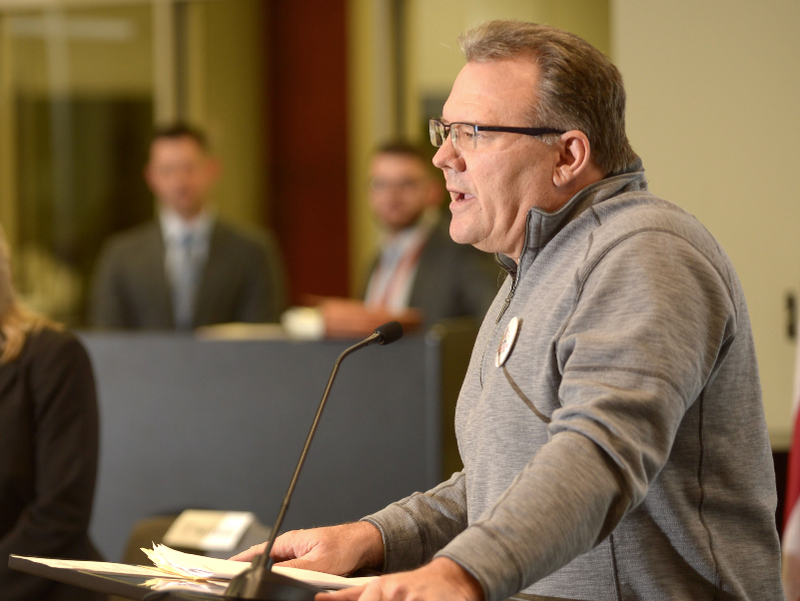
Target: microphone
[259,581]
[387,333]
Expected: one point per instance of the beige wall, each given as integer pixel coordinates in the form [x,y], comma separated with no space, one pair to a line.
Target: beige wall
[92,51]
[434,56]
[713,91]
[227,76]
[370,111]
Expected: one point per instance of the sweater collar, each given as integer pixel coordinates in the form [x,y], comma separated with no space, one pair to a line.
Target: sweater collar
[541,226]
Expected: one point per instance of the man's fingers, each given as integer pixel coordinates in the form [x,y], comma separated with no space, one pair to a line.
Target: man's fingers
[250,553]
[345,594]
[303,564]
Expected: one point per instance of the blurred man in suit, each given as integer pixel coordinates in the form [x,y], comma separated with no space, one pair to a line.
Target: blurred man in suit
[419,265]
[186,268]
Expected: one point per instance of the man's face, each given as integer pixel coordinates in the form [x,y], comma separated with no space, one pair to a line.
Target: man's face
[493,186]
[180,174]
[401,188]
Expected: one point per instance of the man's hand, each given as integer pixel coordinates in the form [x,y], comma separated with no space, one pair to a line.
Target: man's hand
[791,576]
[335,549]
[440,580]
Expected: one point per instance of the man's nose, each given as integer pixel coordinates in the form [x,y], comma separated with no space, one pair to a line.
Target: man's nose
[447,157]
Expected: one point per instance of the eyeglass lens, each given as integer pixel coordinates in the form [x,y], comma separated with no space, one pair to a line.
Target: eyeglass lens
[459,132]
[437,132]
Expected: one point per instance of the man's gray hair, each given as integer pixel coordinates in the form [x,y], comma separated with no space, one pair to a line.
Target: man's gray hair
[579,88]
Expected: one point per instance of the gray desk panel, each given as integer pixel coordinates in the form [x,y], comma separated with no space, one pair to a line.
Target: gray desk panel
[220,424]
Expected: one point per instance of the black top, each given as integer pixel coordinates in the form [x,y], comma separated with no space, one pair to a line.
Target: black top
[48,461]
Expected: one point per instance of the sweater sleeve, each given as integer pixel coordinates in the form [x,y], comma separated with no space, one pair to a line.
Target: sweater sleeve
[645,334]
[416,527]
[55,521]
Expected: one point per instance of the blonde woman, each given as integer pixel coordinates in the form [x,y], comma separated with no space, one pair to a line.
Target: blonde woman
[48,445]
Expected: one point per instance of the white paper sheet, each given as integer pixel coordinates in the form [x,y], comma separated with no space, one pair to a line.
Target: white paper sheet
[197,566]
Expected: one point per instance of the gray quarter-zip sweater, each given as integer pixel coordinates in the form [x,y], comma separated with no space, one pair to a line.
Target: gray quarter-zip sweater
[621,451]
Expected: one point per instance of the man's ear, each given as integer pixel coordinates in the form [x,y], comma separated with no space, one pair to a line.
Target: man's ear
[574,158]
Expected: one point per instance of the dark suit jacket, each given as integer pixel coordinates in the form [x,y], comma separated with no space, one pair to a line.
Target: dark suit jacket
[453,280]
[242,281]
[48,462]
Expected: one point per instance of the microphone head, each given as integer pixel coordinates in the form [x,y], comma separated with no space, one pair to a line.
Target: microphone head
[389,332]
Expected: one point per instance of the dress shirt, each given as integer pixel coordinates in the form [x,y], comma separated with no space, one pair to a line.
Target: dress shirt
[186,246]
[392,280]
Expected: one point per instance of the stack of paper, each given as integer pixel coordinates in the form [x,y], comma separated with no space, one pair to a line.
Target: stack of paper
[188,565]
[215,587]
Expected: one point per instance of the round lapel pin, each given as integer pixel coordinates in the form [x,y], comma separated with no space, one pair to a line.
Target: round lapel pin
[507,343]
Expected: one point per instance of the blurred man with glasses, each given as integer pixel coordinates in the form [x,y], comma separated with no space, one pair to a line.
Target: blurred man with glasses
[610,423]
[419,265]
[419,276]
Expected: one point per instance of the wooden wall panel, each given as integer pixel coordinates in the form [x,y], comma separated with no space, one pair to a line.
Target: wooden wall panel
[307,142]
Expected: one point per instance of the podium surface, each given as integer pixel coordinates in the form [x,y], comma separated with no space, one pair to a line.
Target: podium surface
[129,587]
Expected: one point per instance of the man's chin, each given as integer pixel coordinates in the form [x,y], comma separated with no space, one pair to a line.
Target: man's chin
[460,237]
[187,210]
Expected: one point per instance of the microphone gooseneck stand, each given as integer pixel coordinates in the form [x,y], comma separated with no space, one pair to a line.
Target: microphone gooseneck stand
[259,581]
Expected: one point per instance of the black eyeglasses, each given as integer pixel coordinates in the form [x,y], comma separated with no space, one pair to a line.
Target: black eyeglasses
[465,135]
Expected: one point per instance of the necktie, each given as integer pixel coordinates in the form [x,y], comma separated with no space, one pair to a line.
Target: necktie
[184,282]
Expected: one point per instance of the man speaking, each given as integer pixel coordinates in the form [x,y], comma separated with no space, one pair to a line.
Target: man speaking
[610,423]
